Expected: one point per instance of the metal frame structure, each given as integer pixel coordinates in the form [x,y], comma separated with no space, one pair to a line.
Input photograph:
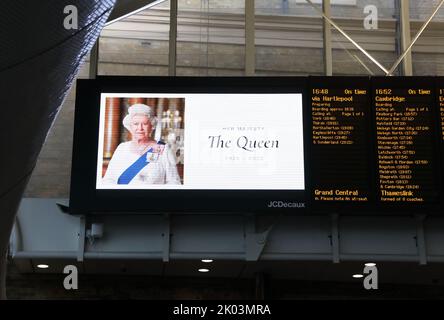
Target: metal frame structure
[250,51]
[172,46]
[406,43]
[405,40]
[328,51]
[248,238]
[405,36]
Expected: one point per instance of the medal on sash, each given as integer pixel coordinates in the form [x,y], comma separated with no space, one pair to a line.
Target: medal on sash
[155,152]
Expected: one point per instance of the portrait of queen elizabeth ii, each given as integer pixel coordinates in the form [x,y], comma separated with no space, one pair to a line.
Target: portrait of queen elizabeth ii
[143,160]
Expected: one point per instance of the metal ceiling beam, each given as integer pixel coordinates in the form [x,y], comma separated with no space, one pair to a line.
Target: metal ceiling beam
[365,52]
[421,30]
[172,46]
[328,52]
[94,61]
[406,38]
[250,49]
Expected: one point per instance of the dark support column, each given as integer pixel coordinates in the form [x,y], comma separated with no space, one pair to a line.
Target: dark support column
[3,275]
[9,203]
[250,49]
[403,36]
[328,51]
[172,50]
[94,61]
[262,286]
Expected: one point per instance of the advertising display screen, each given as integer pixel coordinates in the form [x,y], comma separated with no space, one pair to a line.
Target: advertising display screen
[189,144]
[201,141]
[303,145]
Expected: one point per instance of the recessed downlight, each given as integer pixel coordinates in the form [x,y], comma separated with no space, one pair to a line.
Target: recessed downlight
[203,270]
[42,266]
[207,260]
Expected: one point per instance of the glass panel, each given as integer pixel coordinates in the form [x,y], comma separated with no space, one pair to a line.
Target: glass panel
[428,51]
[286,7]
[288,39]
[422,9]
[355,8]
[211,38]
[136,45]
[379,40]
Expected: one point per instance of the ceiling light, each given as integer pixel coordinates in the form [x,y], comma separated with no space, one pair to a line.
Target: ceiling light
[204,270]
[42,266]
[357,276]
[207,260]
[370,264]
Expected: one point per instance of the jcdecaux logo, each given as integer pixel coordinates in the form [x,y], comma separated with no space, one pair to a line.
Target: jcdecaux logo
[283,204]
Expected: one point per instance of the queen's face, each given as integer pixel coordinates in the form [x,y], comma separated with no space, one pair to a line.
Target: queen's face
[141,127]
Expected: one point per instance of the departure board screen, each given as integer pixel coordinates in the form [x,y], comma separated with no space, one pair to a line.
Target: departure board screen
[404,119]
[340,150]
[440,95]
[440,104]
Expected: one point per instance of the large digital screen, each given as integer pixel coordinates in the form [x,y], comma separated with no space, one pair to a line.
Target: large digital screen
[201,141]
[303,145]
[151,144]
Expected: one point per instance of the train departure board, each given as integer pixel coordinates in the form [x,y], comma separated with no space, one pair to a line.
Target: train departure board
[440,95]
[340,150]
[405,132]
[440,104]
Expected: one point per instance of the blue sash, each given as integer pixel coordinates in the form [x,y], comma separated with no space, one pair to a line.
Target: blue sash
[134,169]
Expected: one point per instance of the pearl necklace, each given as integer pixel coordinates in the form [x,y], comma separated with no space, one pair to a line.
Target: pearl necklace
[141,149]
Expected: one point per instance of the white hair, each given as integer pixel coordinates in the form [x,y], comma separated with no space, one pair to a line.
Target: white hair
[139,109]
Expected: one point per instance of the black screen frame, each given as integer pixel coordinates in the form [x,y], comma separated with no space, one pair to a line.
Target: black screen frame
[85,198]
